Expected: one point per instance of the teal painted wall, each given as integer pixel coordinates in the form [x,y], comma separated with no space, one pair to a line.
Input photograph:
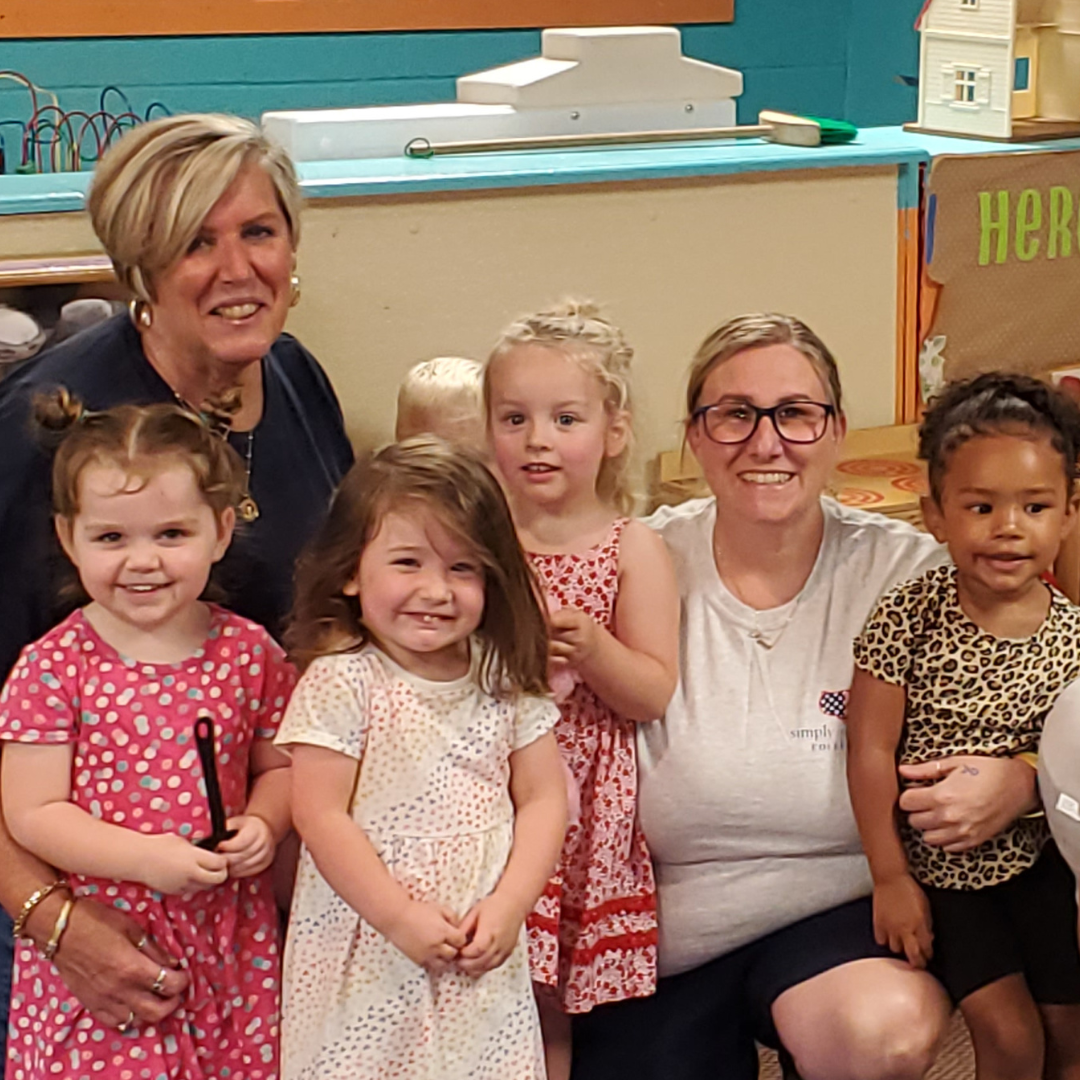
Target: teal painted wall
[827,57]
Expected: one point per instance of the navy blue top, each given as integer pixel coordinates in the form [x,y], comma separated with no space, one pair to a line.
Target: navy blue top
[299,454]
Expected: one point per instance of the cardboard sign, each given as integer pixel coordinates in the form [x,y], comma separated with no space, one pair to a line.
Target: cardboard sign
[1003,244]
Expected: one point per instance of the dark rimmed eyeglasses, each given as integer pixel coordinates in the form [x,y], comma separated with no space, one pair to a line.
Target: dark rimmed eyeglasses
[730,422]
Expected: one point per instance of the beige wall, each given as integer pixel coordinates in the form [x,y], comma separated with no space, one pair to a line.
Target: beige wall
[389,281]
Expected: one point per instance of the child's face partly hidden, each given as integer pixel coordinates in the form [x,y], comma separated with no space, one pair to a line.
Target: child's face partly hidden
[421,591]
[144,546]
[1004,511]
[550,427]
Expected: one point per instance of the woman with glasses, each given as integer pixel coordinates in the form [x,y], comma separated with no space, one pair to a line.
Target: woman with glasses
[765,918]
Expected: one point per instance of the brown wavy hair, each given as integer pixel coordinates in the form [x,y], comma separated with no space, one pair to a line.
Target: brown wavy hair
[456,487]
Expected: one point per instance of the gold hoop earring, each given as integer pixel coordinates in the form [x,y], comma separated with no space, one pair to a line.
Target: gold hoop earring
[294,285]
[140,314]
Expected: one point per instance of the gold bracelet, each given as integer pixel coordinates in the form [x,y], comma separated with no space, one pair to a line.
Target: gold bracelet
[58,929]
[32,902]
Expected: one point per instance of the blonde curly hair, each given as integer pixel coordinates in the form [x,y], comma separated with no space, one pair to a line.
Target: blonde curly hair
[578,329]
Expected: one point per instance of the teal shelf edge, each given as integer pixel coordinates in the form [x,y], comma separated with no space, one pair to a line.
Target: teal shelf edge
[875,147]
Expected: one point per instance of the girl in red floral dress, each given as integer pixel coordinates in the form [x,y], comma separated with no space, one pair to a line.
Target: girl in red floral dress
[557,394]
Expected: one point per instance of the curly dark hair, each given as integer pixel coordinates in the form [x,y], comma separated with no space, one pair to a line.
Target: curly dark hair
[998,403]
[456,487]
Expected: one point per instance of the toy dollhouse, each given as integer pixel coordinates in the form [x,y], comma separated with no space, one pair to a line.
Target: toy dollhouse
[1000,69]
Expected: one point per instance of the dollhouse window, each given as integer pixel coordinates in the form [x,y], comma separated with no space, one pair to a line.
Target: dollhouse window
[969,3]
[964,86]
[1022,74]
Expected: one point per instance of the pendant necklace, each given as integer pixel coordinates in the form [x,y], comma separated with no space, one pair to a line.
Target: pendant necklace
[247,509]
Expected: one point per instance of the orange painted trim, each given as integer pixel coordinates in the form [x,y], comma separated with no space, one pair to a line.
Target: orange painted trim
[907,317]
[149,18]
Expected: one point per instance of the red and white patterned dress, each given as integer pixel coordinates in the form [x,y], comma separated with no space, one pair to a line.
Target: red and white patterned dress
[592,936]
[135,764]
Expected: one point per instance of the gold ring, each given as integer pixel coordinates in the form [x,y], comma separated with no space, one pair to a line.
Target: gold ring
[159,982]
[127,1024]
[141,943]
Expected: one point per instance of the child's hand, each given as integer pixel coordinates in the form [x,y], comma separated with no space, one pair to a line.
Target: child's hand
[173,865]
[902,919]
[251,850]
[492,926]
[427,934]
[574,636]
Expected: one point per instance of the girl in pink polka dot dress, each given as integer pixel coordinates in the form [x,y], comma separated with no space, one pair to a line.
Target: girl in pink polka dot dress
[557,391]
[102,776]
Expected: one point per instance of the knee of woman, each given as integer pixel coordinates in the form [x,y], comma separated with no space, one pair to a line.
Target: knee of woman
[874,1039]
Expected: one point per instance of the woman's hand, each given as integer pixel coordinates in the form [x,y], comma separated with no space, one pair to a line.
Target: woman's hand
[492,927]
[969,798]
[100,964]
[173,865]
[902,919]
[251,850]
[427,934]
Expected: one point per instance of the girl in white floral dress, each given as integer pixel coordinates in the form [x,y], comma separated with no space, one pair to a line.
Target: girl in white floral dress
[428,788]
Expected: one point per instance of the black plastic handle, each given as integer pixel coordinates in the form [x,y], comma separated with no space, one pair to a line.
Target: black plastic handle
[204,742]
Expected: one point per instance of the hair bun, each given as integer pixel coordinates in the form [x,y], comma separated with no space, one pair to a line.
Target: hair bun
[57,411]
[575,307]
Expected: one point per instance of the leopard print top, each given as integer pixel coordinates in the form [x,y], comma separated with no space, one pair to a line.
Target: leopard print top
[968,692]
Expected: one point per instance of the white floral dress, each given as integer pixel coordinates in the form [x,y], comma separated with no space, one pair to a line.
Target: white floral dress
[432,795]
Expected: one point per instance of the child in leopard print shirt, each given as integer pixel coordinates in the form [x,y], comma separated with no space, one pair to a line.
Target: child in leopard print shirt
[968,660]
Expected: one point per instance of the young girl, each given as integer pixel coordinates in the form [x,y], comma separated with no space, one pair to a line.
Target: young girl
[102,777]
[967,660]
[427,784]
[557,392]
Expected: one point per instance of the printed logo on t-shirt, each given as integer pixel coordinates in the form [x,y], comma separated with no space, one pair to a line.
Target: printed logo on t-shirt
[834,703]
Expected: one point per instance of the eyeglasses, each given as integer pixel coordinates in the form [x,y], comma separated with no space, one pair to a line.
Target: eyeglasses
[731,422]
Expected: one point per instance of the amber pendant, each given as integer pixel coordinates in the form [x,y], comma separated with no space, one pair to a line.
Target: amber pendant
[247,510]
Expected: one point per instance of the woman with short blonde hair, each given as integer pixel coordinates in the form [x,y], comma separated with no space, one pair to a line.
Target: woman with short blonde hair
[200,215]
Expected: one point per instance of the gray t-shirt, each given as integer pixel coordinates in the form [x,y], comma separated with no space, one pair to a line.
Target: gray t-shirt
[1059,773]
[743,793]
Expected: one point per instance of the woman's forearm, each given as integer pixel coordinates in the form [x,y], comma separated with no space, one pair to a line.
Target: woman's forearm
[73,840]
[21,874]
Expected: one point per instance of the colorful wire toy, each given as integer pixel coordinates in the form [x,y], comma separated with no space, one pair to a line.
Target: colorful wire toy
[58,140]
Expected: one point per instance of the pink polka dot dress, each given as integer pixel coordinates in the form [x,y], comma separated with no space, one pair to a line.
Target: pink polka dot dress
[432,796]
[593,934]
[135,764]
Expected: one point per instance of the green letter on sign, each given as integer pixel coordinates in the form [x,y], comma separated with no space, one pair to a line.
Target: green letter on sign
[1061,212]
[1028,220]
[989,225]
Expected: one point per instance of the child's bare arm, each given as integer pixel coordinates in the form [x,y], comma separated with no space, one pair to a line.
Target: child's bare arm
[36,785]
[875,722]
[635,669]
[267,818]
[538,791]
[323,782]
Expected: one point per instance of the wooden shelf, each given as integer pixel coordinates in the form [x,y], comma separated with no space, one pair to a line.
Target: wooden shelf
[55,270]
[145,18]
